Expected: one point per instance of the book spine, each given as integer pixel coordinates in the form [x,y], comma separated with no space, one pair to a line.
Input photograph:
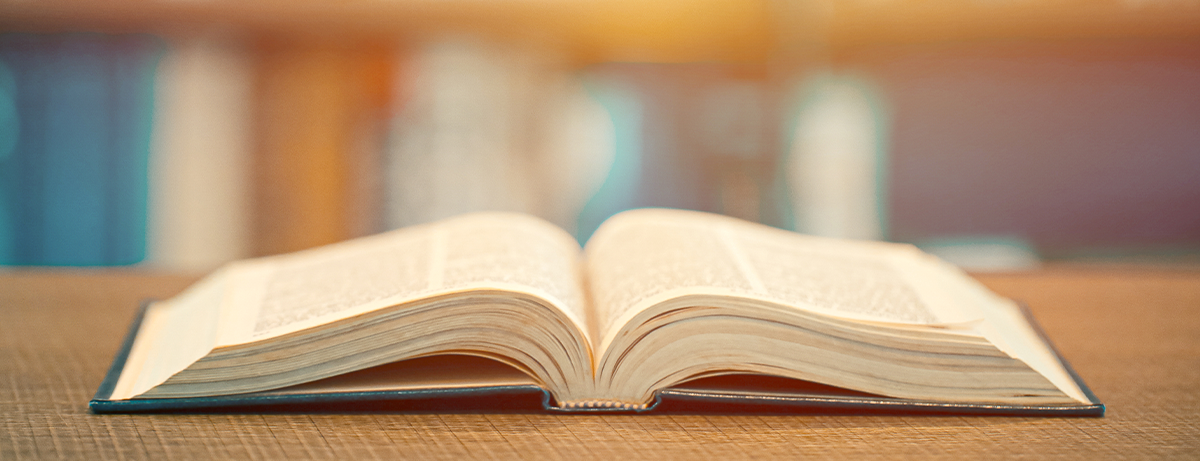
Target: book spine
[619,189]
[132,61]
[452,143]
[371,86]
[76,195]
[200,160]
[28,56]
[692,136]
[602,405]
[574,149]
[9,136]
[837,160]
[309,111]
[76,150]
[493,127]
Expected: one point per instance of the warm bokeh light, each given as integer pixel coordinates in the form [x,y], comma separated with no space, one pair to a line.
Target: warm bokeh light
[188,134]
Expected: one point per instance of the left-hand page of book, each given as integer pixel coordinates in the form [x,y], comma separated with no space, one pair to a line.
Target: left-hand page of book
[250,303]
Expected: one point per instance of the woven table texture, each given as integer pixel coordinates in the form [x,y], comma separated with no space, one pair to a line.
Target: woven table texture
[1132,334]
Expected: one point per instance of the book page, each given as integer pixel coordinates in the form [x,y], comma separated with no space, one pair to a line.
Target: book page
[856,279]
[641,257]
[173,334]
[288,293]
[631,260]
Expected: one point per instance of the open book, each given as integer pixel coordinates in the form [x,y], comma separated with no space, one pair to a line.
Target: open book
[660,304]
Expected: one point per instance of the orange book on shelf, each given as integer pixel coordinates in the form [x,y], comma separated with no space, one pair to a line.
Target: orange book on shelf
[318,119]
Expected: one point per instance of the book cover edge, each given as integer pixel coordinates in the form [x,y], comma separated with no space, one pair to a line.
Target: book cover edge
[1041,333]
[101,402]
[769,401]
[104,392]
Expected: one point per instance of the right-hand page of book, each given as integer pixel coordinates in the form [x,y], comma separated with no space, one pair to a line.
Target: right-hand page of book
[641,256]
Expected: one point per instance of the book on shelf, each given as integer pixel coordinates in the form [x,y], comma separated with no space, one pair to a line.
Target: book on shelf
[73,164]
[685,135]
[199,207]
[493,126]
[317,110]
[660,309]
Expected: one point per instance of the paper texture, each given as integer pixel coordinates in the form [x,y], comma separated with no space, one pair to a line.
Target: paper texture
[643,254]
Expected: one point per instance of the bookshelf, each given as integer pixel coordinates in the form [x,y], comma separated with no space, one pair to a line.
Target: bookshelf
[859,23]
[674,30]
[769,44]
[631,30]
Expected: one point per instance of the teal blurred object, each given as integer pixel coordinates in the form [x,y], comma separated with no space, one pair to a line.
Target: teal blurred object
[692,136]
[620,188]
[836,165]
[8,141]
[74,182]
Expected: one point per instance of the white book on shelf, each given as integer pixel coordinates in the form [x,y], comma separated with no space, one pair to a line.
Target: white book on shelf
[837,160]
[500,127]
[200,156]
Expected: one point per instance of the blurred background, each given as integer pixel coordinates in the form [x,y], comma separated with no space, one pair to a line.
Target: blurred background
[1002,135]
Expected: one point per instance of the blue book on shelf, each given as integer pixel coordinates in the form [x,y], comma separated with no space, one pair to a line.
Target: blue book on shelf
[132,66]
[77,195]
[76,148]
[25,57]
[8,141]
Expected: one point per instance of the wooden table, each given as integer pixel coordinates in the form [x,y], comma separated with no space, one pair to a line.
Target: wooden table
[1134,336]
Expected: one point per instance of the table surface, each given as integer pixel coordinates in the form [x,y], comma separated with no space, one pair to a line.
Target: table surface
[1133,335]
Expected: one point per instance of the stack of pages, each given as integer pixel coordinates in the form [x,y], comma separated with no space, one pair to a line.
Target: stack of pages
[662,309]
